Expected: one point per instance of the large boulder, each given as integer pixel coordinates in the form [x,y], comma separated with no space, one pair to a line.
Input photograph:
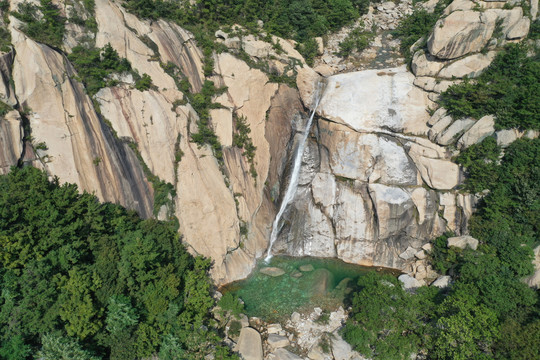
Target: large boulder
[461,33]
[11,140]
[471,66]
[249,344]
[478,132]
[463,242]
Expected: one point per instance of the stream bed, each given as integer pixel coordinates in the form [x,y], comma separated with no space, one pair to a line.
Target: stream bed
[276,289]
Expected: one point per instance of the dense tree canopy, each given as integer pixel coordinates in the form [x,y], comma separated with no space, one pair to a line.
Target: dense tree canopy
[84,280]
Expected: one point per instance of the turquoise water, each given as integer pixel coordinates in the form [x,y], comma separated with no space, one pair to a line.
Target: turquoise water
[328,286]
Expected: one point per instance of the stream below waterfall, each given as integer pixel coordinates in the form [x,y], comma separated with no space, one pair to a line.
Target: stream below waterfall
[277,288]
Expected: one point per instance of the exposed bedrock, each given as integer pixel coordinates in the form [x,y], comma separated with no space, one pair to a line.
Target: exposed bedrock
[372,185]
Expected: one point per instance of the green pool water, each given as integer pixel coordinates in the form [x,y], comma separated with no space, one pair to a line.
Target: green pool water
[328,285]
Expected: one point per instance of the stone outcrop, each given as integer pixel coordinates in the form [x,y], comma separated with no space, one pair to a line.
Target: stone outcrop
[460,33]
[362,195]
[249,345]
[463,242]
[81,149]
[11,140]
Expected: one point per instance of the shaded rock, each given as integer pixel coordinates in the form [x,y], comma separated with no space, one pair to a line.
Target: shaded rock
[420,255]
[506,137]
[471,66]
[460,33]
[341,350]
[427,247]
[408,254]
[451,133]
[322,282]
[534,280]
[11,140]
[276,341]
[439,126]
[426,65]
[463,241]
[7,93]
[272,271]
[425,82]
[442,282]
[306,268]
[519,30]
[438,174]
[307,81]
[274,328]
[249,344]
[296,274]
[409,282]
[478,132]
[282,354]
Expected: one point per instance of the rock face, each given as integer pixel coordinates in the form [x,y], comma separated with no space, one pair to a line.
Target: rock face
[81,148]
[11,140]
[369,183]
[460,33]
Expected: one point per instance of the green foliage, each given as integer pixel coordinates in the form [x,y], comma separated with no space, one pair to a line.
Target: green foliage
[95,66]
[49,28]
[202,103]
[324,318]
[242,140]
[464,329]
[231,303]
[534,31]
[416,26]
[234,328]
[356,40]
[481,164]
[519,341]
[385,321]
[509,89]
[14,348]
[444,258]
[4,108]
[77,275]
[144,83]
[56,347]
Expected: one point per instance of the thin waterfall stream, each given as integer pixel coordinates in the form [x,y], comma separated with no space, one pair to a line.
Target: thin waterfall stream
[293,183]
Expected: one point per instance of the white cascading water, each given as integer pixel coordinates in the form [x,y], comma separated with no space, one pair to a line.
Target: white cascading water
[293,183]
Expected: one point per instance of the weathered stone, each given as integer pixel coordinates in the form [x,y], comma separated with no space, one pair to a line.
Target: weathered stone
[442,282]
[341,350]
[460,33]
[249,344]
[274,328]
[320,45]
[458,5]
[11,141]
[451,134]
[443,85]
[394,208]
[519,30]
[276,341]
[439,174]
[478,132]
[506,137]
[256,48]
[534,9]
[390,102]
[425,82]
[438,128]
[427,247]
[426,65]
[437,116]
[534,280]
[408,253]
[463,241]
[471,66]
[272,271]
[322,283]
[7,93]
[306,268]
[420,254]
[282,354]
[409,282]
[307,81]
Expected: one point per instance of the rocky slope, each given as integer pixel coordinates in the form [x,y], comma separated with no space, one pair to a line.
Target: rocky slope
[377,183]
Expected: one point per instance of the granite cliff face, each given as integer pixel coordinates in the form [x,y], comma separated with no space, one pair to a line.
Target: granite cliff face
[377,179]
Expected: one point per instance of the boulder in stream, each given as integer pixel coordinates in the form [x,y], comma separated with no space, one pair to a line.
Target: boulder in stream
[272,271]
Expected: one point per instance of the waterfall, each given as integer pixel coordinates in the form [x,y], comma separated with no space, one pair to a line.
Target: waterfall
[293,183]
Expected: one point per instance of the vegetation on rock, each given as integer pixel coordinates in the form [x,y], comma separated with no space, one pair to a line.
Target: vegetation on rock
[509,89]
[44,23]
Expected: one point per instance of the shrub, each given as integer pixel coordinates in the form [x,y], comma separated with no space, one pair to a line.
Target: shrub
[144,83]
[48,28]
